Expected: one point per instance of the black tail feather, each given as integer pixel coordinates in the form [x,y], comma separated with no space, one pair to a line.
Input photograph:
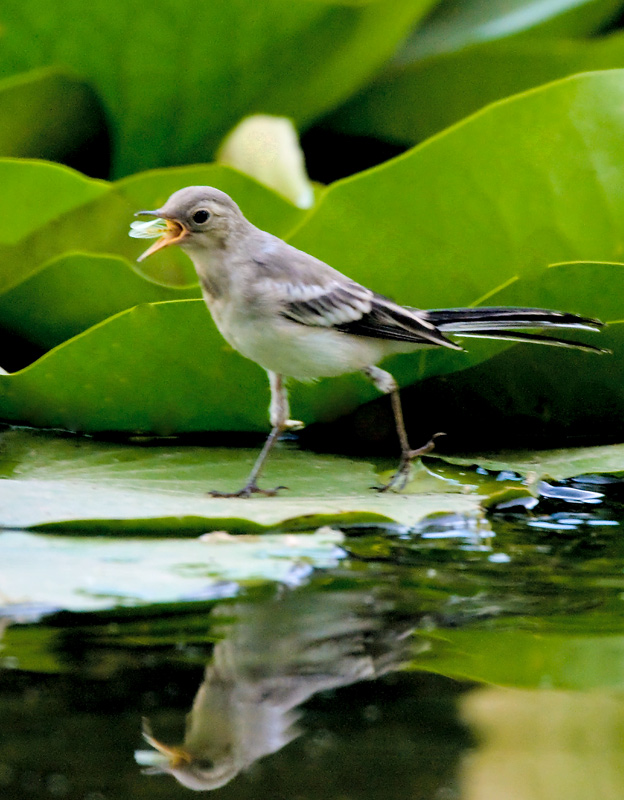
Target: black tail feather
[460,320]
[535,338]
[503,323]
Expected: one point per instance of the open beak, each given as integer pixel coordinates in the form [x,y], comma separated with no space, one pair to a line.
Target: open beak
[174,757]
[168,231]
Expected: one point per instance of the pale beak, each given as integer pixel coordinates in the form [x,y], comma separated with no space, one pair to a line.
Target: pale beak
[169,231]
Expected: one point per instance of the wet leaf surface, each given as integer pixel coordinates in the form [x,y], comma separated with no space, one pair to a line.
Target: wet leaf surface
[43,574]
[84,486]
[361,627]
[556,464]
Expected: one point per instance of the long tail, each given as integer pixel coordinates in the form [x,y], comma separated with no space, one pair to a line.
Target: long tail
[503,323]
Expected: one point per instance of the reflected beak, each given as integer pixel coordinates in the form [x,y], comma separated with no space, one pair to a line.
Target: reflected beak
[175,756]
[169,231]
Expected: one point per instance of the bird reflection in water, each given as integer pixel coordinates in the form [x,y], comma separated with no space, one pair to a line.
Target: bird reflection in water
[276,655]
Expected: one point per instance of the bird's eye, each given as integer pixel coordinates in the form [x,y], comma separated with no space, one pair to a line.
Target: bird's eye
[201,216]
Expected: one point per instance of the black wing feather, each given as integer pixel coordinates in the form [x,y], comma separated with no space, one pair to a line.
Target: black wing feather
[350,308]
[386,320]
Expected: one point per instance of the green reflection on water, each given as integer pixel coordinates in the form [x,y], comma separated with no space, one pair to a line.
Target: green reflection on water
[438,665]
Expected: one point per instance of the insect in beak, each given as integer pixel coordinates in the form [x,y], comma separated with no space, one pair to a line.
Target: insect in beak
[168,231]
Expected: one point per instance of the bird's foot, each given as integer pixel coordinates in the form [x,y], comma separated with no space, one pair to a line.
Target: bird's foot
[425,449]
[248,491]
[400,478]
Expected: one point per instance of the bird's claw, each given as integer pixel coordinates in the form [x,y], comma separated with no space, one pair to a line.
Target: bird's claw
[422,451]
[400,478]
[248,491]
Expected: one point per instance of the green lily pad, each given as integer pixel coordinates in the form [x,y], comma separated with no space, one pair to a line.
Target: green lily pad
[47,114]
[174,82]
[83,290]
[50,573]
[501,195]
[139,371]
[66,484]
[58,191]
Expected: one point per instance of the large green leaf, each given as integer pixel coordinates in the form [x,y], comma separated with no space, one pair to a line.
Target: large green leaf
[158,368]
[527,182]
[35,195]
[175,78]
[454,24]
[71,484]
[500,196]
[530,181]
[164,368]
[83,290]
[47,114]
[47,210]
[410,102]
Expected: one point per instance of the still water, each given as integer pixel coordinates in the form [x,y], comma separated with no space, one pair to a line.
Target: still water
[431,664]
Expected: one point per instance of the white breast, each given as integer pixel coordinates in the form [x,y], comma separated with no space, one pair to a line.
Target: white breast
[301,351]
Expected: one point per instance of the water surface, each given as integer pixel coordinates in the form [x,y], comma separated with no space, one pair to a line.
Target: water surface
[443,663]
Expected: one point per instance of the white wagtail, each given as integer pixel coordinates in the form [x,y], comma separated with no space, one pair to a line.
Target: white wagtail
[298,317]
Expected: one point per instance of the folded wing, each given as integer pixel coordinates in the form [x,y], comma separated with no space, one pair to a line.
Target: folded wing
[351,308]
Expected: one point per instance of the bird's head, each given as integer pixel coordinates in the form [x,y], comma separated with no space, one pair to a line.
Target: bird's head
[197,217]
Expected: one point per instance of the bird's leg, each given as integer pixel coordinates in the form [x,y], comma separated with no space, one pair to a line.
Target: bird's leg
[384,382]
[279,411]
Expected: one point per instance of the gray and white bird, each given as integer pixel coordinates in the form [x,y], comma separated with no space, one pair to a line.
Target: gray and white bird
[299,318]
